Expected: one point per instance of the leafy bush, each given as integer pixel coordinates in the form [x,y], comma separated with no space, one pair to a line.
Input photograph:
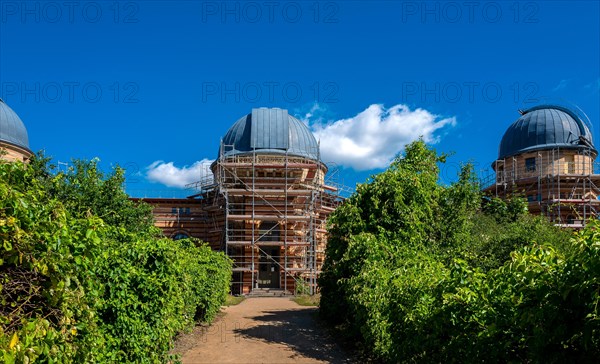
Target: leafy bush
[420,272]
[80,288]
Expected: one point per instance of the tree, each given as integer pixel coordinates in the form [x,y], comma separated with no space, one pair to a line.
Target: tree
[85,190]
[420,272]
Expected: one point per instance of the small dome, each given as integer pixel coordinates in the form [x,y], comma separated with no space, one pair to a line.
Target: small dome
[545,127]
[12,129]
[270,131]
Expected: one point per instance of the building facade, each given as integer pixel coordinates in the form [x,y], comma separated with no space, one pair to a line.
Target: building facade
[548,156]
[14,141]
[265,205]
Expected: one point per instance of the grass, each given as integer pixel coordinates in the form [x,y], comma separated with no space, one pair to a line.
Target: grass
[233,300]
[306,300]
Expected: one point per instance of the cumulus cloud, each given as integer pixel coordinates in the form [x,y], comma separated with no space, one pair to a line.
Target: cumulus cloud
[170,175]
[372,138]
[369,140]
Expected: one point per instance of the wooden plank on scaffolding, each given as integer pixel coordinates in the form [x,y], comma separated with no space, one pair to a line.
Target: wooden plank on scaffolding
[574,201]
[277,192]
[267,243]
[328,208]
[244,270]
[271,165]
[267,217]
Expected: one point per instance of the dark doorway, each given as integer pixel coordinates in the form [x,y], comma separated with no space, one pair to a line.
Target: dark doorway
[268,267]
[269,231]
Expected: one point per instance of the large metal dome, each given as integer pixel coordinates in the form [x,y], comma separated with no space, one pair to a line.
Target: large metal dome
[545,127]
[270,131]
[12,129]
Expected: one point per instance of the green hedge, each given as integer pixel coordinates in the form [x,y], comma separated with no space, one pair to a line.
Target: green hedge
[77,289]
[420,272]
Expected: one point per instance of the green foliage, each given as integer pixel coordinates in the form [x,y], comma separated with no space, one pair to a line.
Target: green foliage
[85,190]
[302,288]
[419,272]
[510,209]
[493,238]
[540,306]
[84,276]
[404,205]
[400,204]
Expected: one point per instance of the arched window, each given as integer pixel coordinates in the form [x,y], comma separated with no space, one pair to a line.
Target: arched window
[180,235]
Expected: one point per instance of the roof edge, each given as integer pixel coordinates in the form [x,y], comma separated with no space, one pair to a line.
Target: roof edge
[15,145]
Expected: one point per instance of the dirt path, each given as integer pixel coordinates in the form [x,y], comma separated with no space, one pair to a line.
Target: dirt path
[262,330]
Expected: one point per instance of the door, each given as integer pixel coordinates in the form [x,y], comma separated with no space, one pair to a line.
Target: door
[268,267]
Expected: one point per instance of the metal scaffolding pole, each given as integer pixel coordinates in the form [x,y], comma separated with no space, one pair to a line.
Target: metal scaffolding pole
[253,220]
[285,238]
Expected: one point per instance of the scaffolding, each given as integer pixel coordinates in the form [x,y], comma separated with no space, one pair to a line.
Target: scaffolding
[268,211]
[561,184]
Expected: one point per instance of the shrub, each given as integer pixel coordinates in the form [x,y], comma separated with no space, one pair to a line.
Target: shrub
[420,272]
[76,288]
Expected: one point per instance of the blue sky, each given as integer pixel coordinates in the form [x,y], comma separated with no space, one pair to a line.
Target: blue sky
[153,85]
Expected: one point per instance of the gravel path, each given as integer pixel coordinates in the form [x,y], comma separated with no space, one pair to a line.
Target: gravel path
[262,330]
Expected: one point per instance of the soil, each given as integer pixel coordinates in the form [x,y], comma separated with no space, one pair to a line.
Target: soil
[262,330]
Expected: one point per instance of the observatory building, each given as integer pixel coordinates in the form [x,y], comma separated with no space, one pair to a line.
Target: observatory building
[265,204]
[14,142]
[548,156]
[268,194]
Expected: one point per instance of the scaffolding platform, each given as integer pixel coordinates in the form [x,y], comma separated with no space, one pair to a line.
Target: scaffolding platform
[561,184]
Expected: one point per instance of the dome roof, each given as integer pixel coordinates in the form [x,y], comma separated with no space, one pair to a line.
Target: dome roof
[270,131]
[12,129]
[545,127]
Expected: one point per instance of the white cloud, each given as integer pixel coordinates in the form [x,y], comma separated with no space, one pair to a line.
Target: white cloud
[170,175]
[368,140]
[372,138]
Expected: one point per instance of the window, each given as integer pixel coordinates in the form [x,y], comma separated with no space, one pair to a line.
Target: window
[530,164]
[180,235]
[181,211]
